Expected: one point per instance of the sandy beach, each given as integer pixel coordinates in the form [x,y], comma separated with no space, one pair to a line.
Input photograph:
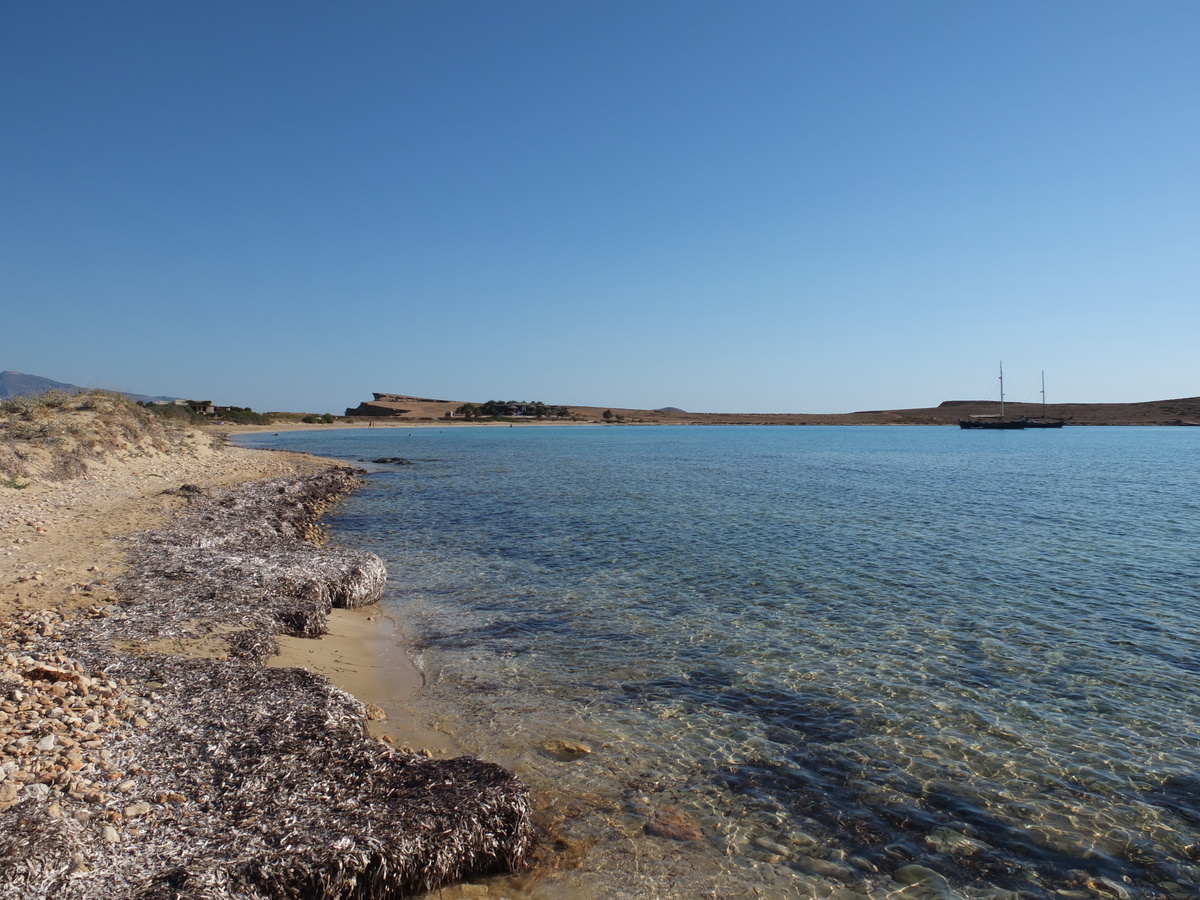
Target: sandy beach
[94,668]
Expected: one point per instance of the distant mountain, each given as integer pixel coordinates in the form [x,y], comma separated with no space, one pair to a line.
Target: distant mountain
[18,384]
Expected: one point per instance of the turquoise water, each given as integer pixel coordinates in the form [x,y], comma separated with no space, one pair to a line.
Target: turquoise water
[822,653]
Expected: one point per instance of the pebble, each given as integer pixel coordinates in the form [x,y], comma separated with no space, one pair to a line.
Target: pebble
[110,835]
[55,717]
[770,846]
[826,868]
[801,839]
[136,809]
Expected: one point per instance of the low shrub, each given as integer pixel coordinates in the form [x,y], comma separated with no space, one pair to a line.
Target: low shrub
[51,436]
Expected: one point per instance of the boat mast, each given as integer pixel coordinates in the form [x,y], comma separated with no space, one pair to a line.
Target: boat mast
[1043,395]
[1002,390]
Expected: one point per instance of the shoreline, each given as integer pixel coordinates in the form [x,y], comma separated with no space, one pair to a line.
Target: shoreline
[72,555]
[61,546]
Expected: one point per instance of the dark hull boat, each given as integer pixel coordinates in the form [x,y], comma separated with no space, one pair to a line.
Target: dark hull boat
[994,423]
[997,423]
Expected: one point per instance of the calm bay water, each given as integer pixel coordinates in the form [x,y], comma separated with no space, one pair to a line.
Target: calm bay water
[820,653]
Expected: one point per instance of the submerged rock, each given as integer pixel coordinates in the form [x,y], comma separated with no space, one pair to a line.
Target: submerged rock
[670,823]
[564,750]
[922,883]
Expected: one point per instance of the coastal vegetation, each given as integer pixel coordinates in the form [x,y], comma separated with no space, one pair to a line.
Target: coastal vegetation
[511,409]
[192,414]
[54,435]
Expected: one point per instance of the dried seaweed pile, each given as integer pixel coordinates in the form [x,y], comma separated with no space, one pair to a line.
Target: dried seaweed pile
[231,780]
[241,564]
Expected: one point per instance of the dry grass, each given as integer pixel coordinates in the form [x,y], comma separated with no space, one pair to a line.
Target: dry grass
[53,436]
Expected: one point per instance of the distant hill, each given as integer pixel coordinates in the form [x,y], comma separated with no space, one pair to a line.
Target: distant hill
[18,384]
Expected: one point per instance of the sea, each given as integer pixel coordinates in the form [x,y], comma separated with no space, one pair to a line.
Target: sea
[801,661]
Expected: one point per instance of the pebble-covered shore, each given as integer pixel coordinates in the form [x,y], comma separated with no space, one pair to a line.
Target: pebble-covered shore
[57,723]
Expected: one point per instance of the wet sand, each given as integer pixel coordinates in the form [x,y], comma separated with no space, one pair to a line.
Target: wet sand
[363,652]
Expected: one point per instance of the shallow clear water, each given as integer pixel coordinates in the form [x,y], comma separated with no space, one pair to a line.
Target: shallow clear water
[824,652]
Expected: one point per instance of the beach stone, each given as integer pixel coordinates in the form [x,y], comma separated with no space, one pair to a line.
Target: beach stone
[375,713]
[136,809]
[46,743]
[109,835]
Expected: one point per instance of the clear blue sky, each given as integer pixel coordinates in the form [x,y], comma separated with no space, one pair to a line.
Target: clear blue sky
[723,206]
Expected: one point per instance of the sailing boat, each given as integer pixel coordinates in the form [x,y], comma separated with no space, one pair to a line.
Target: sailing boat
[1042,421]
[994,422]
